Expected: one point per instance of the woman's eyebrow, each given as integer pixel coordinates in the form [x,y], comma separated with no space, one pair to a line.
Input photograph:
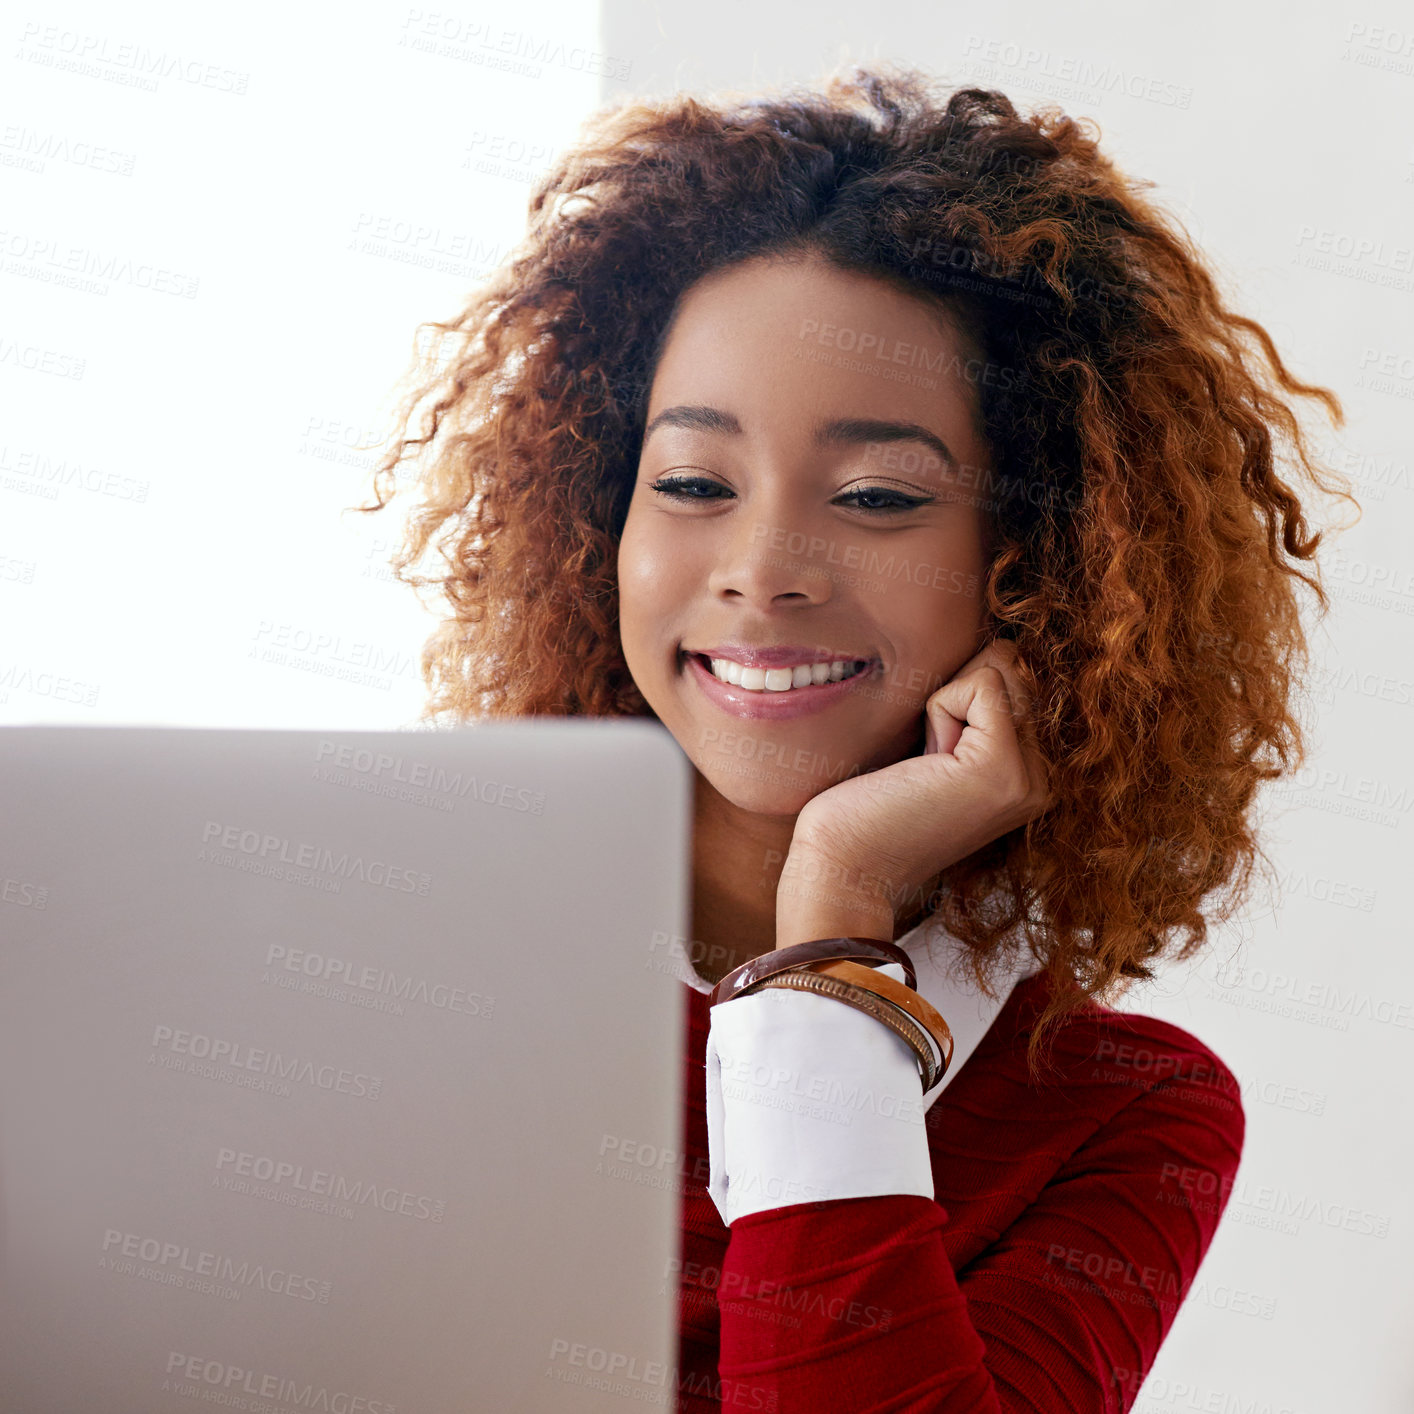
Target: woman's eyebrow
[838,431]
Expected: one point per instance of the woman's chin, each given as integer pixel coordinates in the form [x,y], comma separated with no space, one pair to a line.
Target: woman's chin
[761,790]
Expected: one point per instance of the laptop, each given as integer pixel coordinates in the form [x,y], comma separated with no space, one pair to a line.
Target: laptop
[340,1071]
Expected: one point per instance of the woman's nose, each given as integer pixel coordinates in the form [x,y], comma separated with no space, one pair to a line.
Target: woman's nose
[763,559]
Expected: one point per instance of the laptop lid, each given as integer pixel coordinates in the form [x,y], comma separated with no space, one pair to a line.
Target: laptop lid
[340,1071]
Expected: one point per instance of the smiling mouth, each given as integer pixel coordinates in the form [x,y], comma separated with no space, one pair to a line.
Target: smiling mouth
[780,682]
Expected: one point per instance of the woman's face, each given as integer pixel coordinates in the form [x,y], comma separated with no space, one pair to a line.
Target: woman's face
[820,428]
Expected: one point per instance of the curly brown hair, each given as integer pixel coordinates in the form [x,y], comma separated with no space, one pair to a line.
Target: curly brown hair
[1147,554]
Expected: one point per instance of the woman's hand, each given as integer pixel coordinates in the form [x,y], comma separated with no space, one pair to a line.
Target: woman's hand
[866,846]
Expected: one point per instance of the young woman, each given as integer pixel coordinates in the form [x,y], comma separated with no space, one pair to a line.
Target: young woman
[902,460]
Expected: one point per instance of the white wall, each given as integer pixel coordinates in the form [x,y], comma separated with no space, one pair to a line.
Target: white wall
[277,201]
[1280,134]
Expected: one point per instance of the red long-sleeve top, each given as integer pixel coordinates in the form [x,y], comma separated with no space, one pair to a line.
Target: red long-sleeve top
[1069,1223]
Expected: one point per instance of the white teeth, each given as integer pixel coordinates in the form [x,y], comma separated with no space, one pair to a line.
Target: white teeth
[783,679]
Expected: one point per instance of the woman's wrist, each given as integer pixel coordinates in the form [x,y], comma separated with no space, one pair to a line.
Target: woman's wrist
[801,919]
[817,899]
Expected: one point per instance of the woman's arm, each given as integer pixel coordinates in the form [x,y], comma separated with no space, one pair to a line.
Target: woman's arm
[852,1304]
[809,1099]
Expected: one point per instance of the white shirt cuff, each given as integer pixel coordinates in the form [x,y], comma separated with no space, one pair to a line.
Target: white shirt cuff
[810,1099]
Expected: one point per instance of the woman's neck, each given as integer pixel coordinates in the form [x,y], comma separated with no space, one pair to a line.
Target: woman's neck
[738,857]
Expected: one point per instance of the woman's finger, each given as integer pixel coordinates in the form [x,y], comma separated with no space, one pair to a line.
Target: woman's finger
[978,699]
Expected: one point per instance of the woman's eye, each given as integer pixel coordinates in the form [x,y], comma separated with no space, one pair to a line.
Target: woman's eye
[675,487]
[893,500]
[898,501]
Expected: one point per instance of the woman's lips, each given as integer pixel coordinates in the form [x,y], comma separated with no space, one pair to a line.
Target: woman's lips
[772,706]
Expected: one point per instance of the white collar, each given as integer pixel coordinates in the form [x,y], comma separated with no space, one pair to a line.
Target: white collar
[943,980]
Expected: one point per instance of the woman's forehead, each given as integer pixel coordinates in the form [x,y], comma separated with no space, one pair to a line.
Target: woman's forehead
[782,351]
